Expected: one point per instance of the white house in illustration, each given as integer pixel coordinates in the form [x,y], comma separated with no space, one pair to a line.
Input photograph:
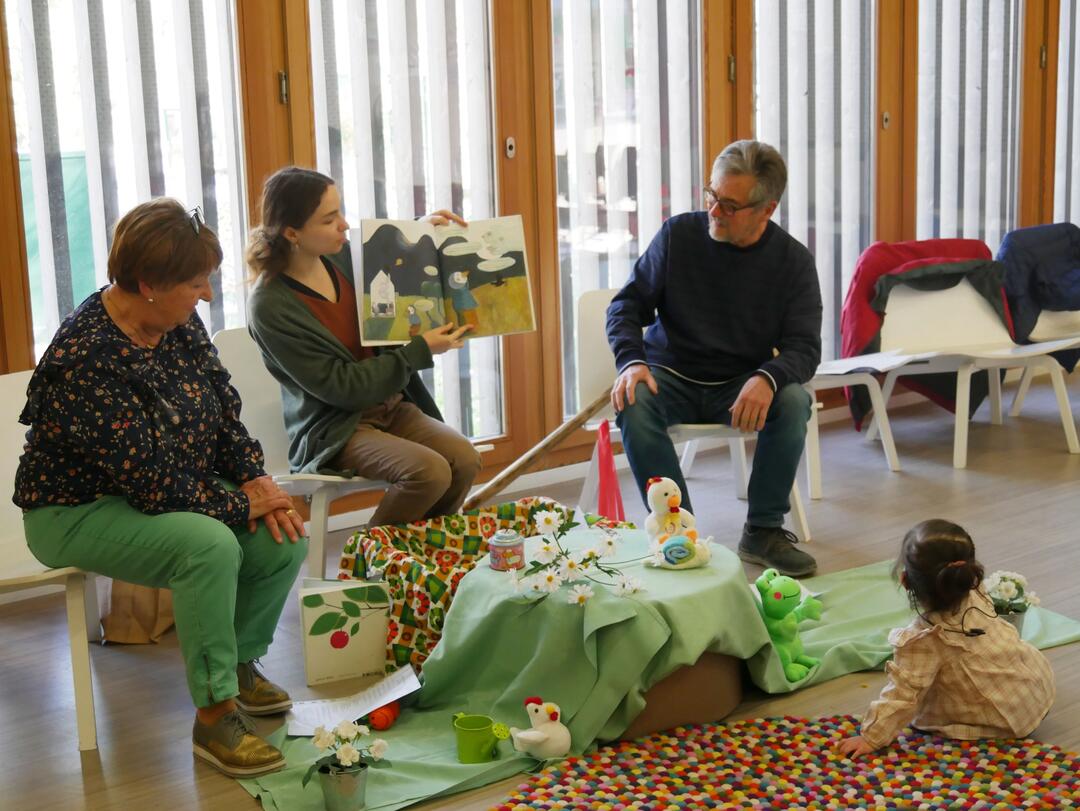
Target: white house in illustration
[383,296]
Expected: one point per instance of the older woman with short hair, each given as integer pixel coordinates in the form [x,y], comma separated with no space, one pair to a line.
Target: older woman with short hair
[137,467]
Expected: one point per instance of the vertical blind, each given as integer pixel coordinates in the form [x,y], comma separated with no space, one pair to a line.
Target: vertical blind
[627,140]
[117,102]
[813,80]
[402,98]
[1066,187]
[968,132]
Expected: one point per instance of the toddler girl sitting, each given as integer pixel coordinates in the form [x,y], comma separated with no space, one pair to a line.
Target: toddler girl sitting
[957,669]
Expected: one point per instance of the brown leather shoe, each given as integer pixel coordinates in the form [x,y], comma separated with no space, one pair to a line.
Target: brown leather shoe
[258,695]
[231,746]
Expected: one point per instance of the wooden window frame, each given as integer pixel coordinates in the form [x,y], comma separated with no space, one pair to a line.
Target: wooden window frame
[16,331]
[1038,113]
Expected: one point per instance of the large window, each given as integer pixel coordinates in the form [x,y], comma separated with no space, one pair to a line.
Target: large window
[1067,152]
[813,75]
[968,131]
[403,125]
[116,103]
[627,139]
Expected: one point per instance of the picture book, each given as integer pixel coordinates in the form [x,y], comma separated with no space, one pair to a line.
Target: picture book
[415,276]
[344,625]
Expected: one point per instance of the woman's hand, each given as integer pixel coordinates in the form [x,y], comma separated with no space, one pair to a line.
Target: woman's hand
[444,338]
[289,520]
[854,747]
[443,217]
[268,501]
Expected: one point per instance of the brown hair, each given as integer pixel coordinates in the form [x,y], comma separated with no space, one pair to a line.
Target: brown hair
[938,561]
[290,196]
[156,243]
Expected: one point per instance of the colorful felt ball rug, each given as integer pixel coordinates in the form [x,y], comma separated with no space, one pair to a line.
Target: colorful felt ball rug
[789,763]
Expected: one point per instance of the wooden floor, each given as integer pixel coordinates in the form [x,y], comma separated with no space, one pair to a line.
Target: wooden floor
[1019,499]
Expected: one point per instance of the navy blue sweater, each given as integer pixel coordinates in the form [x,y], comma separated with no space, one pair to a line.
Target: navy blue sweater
[715,311]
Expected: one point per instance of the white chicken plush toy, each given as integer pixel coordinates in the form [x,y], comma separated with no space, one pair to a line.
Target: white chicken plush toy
[548,738]
[666,516]
[675,542]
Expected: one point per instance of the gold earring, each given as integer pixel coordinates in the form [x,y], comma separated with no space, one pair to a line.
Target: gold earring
[150,300]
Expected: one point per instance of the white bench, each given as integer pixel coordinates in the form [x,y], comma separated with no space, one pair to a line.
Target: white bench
[19,570]
[956,330]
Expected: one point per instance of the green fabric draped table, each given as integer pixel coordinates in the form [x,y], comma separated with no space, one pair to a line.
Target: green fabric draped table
[596,661]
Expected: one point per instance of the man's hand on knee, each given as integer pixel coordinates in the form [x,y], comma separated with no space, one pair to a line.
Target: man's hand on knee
[622,392]
[752,405]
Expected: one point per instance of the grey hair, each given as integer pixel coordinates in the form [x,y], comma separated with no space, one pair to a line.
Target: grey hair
[757,159]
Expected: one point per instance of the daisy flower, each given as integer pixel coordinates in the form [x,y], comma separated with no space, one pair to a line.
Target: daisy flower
[580,594]
[547,522]
[572,568]
[547,552]
[627,585]
[607,546]
[517,583]
[549,580]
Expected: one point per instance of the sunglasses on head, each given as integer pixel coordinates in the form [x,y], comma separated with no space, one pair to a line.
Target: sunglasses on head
[195,219]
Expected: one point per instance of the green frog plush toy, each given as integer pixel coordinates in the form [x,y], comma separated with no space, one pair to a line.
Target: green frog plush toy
[782,611]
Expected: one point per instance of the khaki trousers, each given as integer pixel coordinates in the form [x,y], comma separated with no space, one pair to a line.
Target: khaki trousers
[429,465]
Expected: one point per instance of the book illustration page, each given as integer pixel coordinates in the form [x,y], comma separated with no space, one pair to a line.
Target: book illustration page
[485,276]
[401,291]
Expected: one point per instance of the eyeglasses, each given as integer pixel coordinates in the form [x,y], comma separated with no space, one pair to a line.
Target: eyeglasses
[196,220]
[727,207]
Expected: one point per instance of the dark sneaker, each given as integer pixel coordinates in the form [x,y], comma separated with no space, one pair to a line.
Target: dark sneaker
[775,547]
[258,695]
[231,746]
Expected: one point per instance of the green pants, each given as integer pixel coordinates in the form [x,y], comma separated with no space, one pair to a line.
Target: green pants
[229,585]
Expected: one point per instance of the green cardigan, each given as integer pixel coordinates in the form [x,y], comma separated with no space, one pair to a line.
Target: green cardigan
[323,387]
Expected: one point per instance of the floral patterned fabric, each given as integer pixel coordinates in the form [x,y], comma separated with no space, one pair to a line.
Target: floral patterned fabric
[423,563]
[157,426]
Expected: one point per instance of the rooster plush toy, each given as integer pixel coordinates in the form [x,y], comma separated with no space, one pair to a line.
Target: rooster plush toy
[666,516]
[548,738]
[675,542]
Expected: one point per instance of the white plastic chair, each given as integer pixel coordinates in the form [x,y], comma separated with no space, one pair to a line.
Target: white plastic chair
[961,331]
[262,414]
[19,570]
[596,370]
[826,379]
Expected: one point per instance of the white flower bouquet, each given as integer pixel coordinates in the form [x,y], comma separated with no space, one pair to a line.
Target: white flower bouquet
[554,565]
[342,750]
[1010,592]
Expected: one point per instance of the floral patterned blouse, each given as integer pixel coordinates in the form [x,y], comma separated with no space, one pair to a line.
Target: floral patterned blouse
[157,426]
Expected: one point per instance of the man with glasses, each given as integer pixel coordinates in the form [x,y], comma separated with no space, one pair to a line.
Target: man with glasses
[731,311]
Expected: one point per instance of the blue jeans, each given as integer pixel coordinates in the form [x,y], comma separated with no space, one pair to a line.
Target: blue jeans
[779,444]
